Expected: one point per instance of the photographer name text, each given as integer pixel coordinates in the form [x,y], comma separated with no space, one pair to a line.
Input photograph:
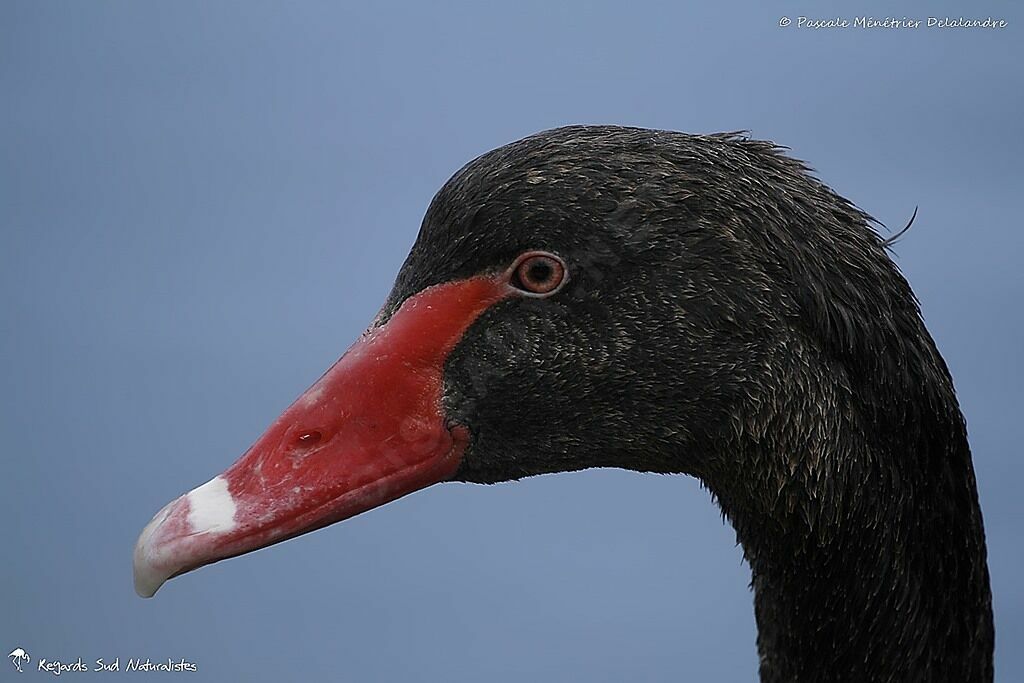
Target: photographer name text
[911,23]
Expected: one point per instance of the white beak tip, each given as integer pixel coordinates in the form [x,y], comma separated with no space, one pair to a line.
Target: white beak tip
[149,575]
[174,539]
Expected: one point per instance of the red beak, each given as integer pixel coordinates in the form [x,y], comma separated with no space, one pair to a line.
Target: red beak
[371,430]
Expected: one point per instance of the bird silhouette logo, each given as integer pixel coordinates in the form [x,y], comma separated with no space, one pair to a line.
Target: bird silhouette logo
[19,656]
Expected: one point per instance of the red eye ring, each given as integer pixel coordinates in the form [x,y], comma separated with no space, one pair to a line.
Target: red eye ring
[538,273]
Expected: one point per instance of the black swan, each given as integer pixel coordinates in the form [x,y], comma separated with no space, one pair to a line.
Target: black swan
[597,296]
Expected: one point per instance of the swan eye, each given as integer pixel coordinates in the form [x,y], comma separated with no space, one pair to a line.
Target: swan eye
[539,273]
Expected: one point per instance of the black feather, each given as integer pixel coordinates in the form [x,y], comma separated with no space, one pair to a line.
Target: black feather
[729,317]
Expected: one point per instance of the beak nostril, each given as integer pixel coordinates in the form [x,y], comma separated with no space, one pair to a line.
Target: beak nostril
[309,438]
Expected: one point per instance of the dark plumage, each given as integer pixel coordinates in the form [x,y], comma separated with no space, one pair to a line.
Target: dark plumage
[729,317]
[722,314]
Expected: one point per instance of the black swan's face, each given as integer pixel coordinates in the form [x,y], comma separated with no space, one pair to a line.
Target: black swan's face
[598,296]
[583,297]
[647,349]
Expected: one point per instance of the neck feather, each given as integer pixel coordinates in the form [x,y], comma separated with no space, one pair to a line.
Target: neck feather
[862,528]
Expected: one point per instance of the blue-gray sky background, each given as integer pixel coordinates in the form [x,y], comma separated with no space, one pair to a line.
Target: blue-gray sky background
[203,203]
